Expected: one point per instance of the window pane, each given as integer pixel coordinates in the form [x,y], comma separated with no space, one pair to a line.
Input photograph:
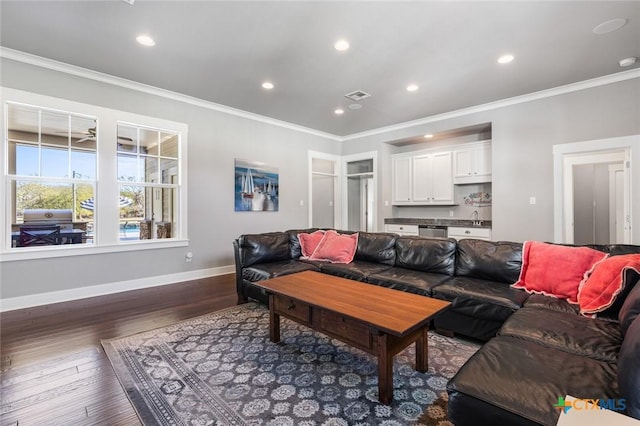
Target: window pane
[169,146]
[150,169]
[83,133]
[23,123]
[55,162]
[129,168]
[26,160]
[169,171]
[127,139]
[36,195]
[83,165]
[55,128]
[149,141]
[148,212]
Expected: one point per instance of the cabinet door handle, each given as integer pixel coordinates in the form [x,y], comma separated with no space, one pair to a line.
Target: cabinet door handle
[291,305]
[467,232]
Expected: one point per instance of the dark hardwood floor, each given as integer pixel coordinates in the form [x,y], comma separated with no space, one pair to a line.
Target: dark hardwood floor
[54,370]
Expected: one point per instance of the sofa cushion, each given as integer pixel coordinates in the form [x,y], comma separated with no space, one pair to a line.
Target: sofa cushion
[309,242]
[605,282]
[555,270]
[629,369]
[524,378]
[376,247]
[262,248]
[294,241]
[480,298]
[264,271]
[568,332]
[435,255]
[407,280]
[631,307]
[488,260]
[336,248]
[541,301]
[356,270]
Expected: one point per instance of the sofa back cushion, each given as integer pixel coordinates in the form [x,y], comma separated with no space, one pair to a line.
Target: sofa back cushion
[630,309]
[436,255]
[629,369]
[264,248]
[377,247]
[496,261]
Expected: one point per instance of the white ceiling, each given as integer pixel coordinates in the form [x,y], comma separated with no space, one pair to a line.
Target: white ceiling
[222,51]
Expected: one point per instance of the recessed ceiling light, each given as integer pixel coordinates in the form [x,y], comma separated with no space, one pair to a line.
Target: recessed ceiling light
[145,40]
[267,85]
[339,111]
[609,26]
[505,59]
[627,62]
[412,88]
[428,136]
[341,45]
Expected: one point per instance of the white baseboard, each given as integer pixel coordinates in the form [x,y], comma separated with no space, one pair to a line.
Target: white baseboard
[32,300]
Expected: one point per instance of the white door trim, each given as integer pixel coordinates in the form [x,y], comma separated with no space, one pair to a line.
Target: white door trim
[336,186]
[371,155]
[601,146]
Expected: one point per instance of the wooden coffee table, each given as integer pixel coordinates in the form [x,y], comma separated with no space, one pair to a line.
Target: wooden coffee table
[375,319]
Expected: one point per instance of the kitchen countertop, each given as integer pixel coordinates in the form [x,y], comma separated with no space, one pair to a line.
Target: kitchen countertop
[467,223]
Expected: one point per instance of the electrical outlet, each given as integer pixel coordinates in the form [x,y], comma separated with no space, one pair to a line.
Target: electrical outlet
[188,257]
[450,213]
[302,202]
[532,200]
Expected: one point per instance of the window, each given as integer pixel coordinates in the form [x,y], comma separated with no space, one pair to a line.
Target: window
[148,171]
[51,169]
[111,180]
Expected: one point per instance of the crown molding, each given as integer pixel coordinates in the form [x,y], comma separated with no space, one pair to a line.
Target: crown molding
[54,65]
[39,61]
[547,93]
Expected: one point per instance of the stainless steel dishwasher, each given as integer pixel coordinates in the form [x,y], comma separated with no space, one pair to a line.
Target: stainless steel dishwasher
[439,231]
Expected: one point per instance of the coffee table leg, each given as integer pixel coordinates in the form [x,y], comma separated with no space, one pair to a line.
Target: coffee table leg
[385,371]
[274,322]
[422,351]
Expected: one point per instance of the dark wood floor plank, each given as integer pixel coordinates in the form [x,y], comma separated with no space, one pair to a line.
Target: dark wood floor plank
[53,368]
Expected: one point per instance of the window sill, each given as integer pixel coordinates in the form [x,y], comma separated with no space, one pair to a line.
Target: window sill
[81,250]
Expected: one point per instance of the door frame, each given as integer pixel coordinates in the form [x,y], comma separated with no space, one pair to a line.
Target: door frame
[371,155]
[565,156]
[337,219]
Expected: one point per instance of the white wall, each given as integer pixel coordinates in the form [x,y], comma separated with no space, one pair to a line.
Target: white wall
[215,140]
[523,135]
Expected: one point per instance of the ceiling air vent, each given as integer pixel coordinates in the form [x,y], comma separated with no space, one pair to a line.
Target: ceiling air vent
[358,95]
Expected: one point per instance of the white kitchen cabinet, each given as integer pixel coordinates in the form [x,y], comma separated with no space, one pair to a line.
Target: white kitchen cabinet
[423,179]
[472,164]
[409,230]
[461,232]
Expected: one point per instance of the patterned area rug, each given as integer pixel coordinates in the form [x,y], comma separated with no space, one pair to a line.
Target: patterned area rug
[222,369]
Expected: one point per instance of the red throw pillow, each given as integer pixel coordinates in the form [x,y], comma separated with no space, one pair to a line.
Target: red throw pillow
[555,270]
[336,248]
[604,282]
[309,242]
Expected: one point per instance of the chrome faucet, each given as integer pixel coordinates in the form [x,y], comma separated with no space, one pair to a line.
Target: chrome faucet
[476,221]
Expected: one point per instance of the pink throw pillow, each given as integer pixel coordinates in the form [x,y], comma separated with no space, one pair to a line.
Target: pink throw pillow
[336,248]
[555,270]
[309,242]
[604,282]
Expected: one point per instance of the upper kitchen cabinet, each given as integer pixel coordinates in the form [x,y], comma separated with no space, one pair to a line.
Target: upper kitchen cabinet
[423,179]
[472,164]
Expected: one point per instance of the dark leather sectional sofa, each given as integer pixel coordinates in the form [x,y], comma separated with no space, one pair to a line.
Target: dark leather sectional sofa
[537,348]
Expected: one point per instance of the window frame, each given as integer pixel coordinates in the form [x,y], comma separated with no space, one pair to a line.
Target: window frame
[107,184]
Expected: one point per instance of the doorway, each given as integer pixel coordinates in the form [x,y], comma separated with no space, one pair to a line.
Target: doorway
[596,200]
[360,189]
[324,191]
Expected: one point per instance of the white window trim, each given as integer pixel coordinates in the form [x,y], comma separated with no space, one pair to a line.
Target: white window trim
[107,171]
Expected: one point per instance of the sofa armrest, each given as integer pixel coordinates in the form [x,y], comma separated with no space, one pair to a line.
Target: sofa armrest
[236,252]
